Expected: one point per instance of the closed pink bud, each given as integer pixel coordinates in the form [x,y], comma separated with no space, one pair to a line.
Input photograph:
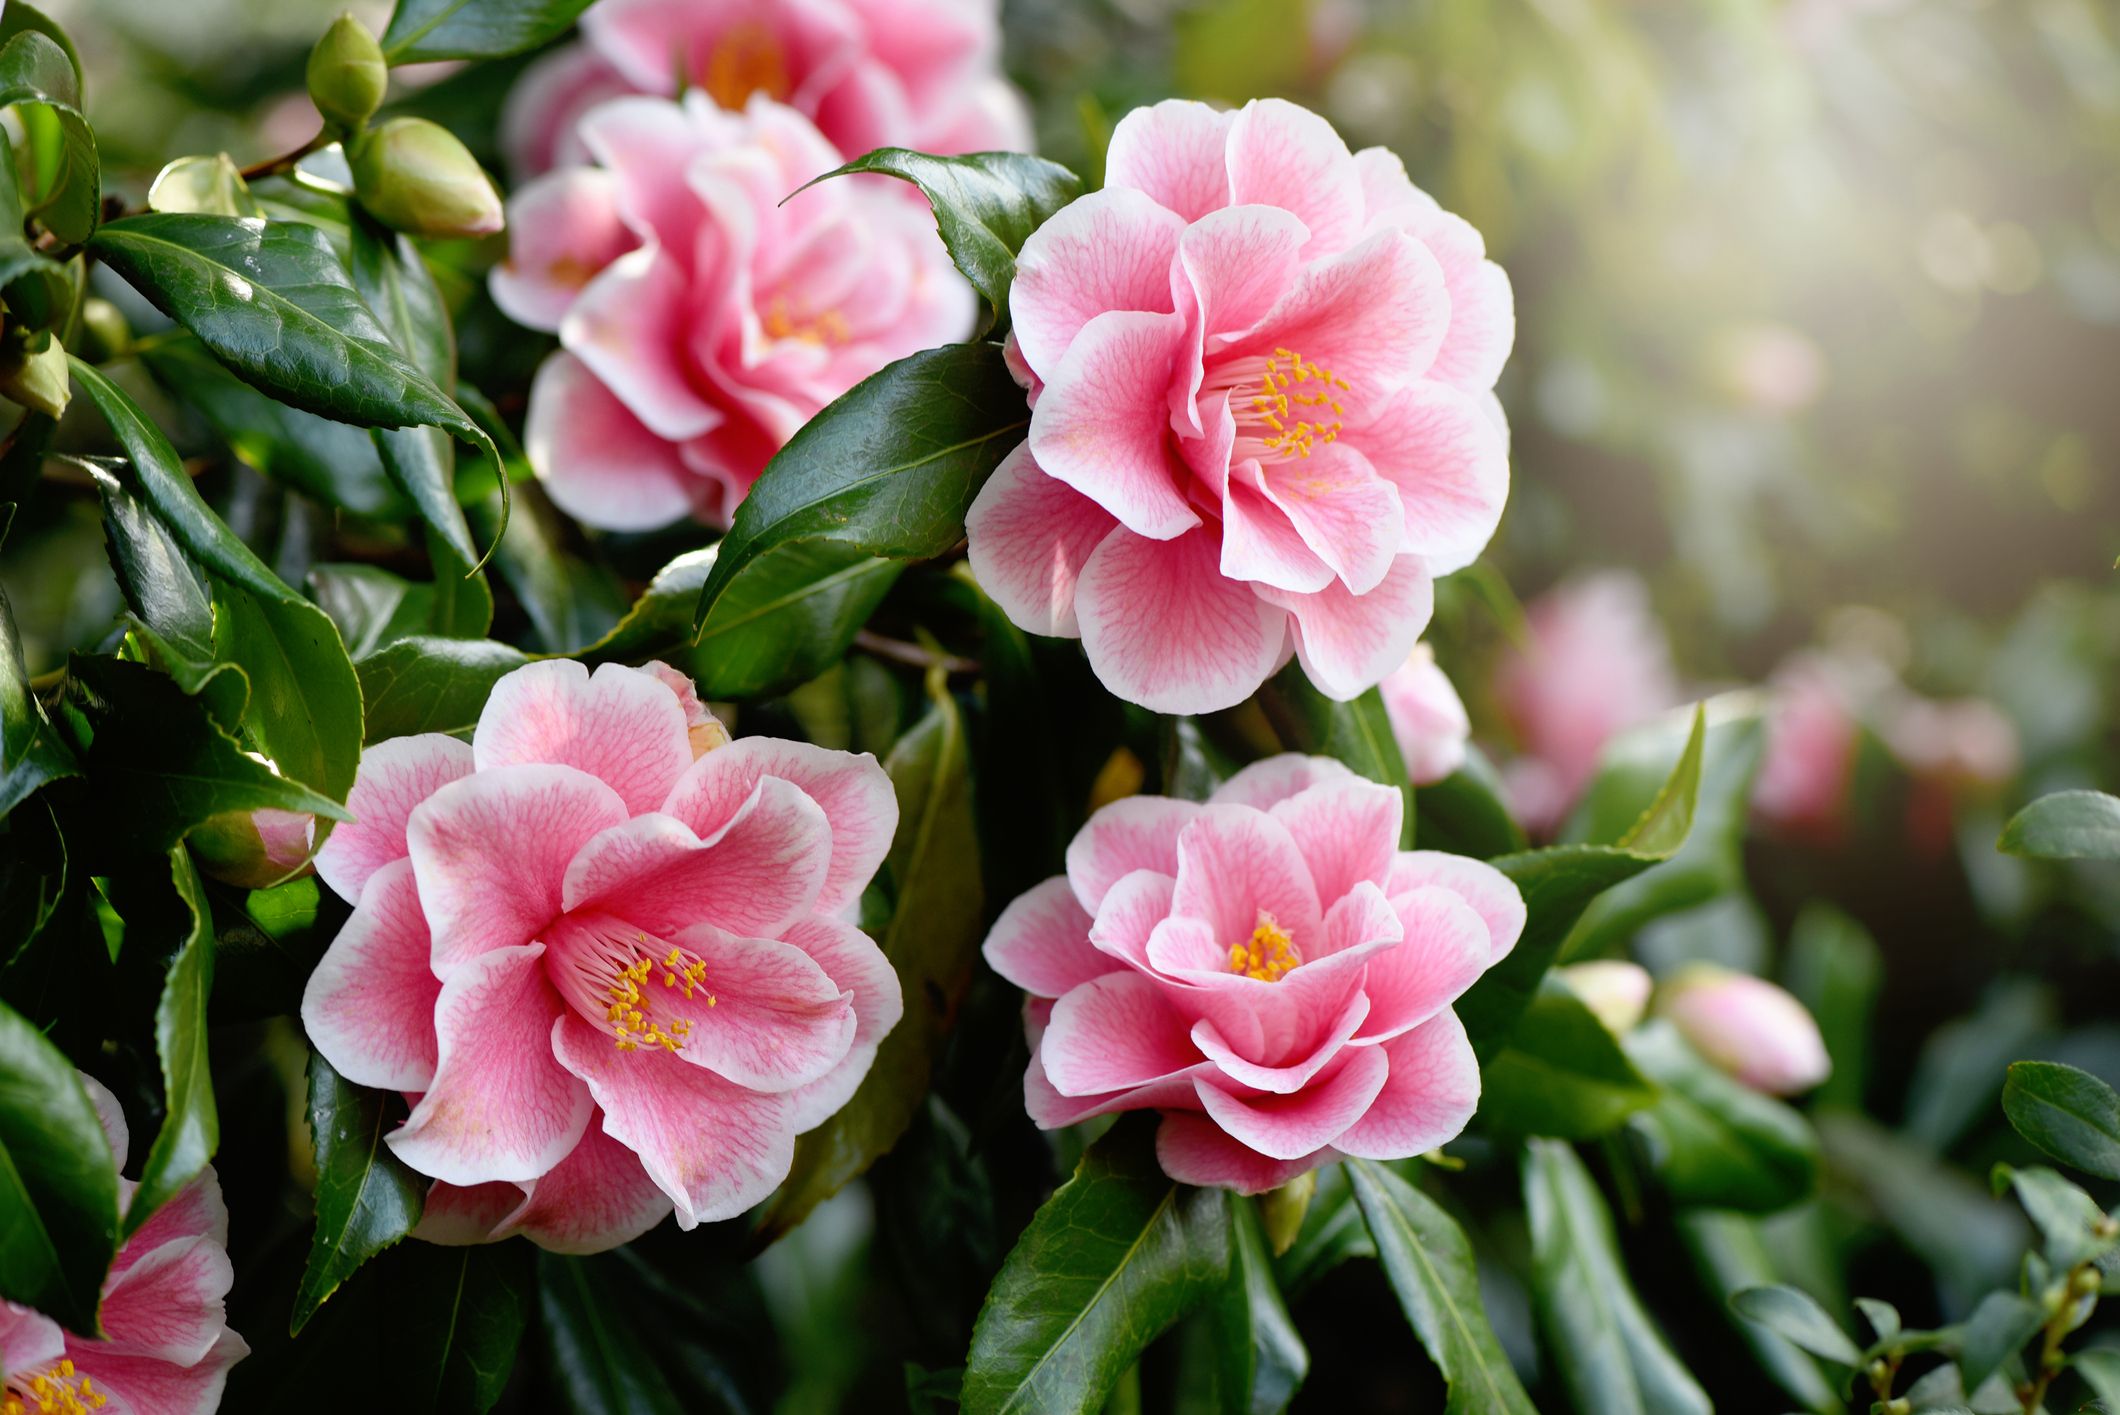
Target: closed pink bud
[252,849]
[1427,717]
[1746,1026]
[1616,991]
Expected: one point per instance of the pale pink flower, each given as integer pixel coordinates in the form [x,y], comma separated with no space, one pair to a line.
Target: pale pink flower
[923,74]
[1954,742]
[1597,663]
[1268,970]
[1427,717]
[1813,736]
[616,973]
[1615,990]
[1263,418]
[166,1348]
[1746,1026]
[701,322]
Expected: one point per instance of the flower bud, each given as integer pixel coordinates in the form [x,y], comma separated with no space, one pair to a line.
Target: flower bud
[415,176]
[38,381]
[1281,1210]
[1747,1027]
[252,849]
[347,74]
[1616,991]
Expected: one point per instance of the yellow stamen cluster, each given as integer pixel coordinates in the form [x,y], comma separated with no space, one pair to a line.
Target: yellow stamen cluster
[782,321]
[56,1392]
[1268,955]
[747,61]
[631,1026]
[1293,409]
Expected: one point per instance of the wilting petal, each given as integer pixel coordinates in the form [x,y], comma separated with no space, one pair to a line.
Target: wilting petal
[1112,1034]
[596,1198]
[1165,629]
[1431,1092]
[1348,642]
[1173,151]
[459,1216]
[1292,1126]
[1111,250]
[1450,465]
[1102,424]
[1347,832]
[1041,941]
[1492,894]
[598,462]
[395,776]
[1029,537]
[369,1003]
[620,725]
[1132,833]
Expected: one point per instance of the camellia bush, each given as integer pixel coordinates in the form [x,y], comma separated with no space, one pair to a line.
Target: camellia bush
[684,732]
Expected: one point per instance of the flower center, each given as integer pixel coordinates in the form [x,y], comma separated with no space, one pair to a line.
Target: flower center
[645,994]
[1268,955]
[783,321]
[632,1010]
[1285,405]
[748,60]
[57,1392]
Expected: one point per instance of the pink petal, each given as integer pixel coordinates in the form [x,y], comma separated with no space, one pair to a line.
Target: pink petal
[1374,315]
[1443,952]
[369,1003]
[1132,833]
[1265,784]
[1428,718]
[599,463]
[1049,1110]
[110,1115]
[1132,913]
[1431,1092]
[716,1148]
[1271,1023]
[1286,156]
[1233,264]
[1348,642]
[1110,250]
[1348,516]
[394,776]
[1163,628]
[1195,1150]
[1236,865]
[489,853]
[851,789]
[1347,832]
[621,725]
[854,964]
[1292,1126]
[1451,469]
[1281,1080]
[1102,424]
[1482,308]
[595,1199]
[169,1303]
[1029,537]
[1041,941]
[501,1106]
[146,1385]
[1114,1033]
[458,1216]
[1172,151]
[197,1211]
[778,1020]
[563,229]
[544,104]
[30,1339]
[1260,542]
[647,144]
[631,326]
[1492,894]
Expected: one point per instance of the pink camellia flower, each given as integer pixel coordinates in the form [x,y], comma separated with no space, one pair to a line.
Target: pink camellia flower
[701,322]
[1268,970]
[166,1348]
[1746,1026]
[616,972]
[923,74]
[1813,737]
[1261,367]
[1427,717]
[1597,663]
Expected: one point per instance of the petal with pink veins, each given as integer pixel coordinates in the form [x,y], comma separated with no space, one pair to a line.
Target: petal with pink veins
[1029,537]
[619,724]
[1193,1149]
[1492,894]
[1281,1080]
[1231,266]
[1346,831]
[1238,866]
[369,1003]
[1173,152]
[147,1385]
[1292,1126]
[1374,315]
[767,1017]
[1260,543]
[1114,1033]
[563,229]
[1265,784]
[598,462]
[1431,1092]
[1049,1110]
[1284,155]
[1110,250]
[1443,952]
[1041,941]
[855,964]
[595,1199]
[1132,833]
[169,1303]
[1165,629]
[1450,466]
[30,1339]
[1102,424]
[394,777]
[1348,516]
[1134,911]
[196,1211]
[110,1115]
[1268,1023]
[1349,642]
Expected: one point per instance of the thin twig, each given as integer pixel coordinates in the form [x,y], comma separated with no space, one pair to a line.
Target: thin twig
[273,166]
[913,655]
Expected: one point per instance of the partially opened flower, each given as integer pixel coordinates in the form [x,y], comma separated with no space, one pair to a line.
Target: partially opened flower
[166,1347]
[1268,970]
[616,971]
[701,321]
[1428,718]
[1263,421]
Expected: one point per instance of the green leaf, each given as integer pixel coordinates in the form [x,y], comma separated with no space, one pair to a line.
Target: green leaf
[660,621]
[2100,1369]
[1793,1313]
[623,1339]
[2068,825]
[31,750]
[366,1197]
[1112,1260]
[1611,1356]
[1559,883]
[986,205]
[1333,1232]
[425,684]
[20,17]
[570,600]
[1712,1140]
[39,294]
[1429,1262]
[1835,970]
[933,936]
[58,1182]
[35,70]
[1464,813]
[421,30]
[2070,1114]
[1997,1330]
[1732,1252]
[1562,1073]
[1262,1359]
[191,1126]
[2067,1218]
[208,186]
[884,474]
[1356,734]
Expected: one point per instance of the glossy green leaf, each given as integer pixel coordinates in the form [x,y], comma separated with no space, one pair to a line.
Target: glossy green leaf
[1560,882]
[571,600]
[1332,1233]
[39,294]
[2068,825]
[1792,1313]
[421,30]
[1997,1330]
[427,684]
[1113,1259]
[1429,1262]
[58,1182]
[623,1339]
[207,186]
[1465,814]
[2067,1218]
[789,617]
[1561,1073]
[1356,734]
[1733,1252]
[2068,1113]
[1612,1357]
[31,749]
[660,621]
[191,1124]
[931,940]
[986,205]
[1262,1358]
[366,1197]
[36,70]
[1713,1141]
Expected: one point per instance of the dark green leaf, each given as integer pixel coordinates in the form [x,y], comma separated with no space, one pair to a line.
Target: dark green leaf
[1793,1313]
[986,205]
[58,1182]
[2068,825]
[2070,1114]
[2100,1369]
[1611,1356]
[931,940]
[31,751]
[474,29]
[660,621]
[1712,1140]
[432,685]
[1835,970]
[35,70]
[191,1126]
[624,1340]
[1262,1359]
[789,617]
[1332,1233]
[1733,1252]
[39,294]
[2066,1217]
[1430,1264]
[1114,1258]
[570,601]
[1464,813]
[1357,733]
[366,1198]
[1562,1073]
[1997,1330]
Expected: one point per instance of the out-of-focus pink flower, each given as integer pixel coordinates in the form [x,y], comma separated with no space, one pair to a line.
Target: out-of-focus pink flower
[1770,368]
[1268,970]
[1427,717]
[1746,1026]
[617,972]
[923,74]
[167,1347]
[1263,417]
[1597,663]
[1813,735]
[1612,988]
[1954,742]
[701,322]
